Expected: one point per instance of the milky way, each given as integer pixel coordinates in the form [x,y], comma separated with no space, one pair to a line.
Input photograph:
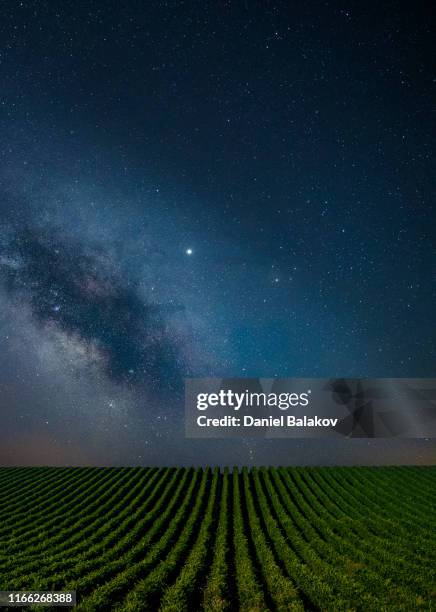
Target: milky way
[81,294]
[221,191]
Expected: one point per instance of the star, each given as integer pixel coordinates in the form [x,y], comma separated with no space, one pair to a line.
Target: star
[189,251]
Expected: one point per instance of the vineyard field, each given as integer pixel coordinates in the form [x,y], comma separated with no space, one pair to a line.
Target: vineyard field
[185,539]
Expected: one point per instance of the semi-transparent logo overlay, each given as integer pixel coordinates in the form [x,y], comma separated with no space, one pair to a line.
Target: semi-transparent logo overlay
[310,407]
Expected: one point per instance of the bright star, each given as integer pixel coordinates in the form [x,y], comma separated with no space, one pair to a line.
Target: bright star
[189,251]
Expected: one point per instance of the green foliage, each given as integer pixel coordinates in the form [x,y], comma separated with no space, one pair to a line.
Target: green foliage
[216,592]
[174,540]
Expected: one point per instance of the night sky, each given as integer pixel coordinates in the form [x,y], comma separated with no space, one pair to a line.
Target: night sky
[208,189]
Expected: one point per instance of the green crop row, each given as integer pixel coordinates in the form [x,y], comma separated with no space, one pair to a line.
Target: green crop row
[182,539]
[216,592]
[104,526]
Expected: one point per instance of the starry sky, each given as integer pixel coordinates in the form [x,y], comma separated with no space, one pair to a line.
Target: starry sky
[218,189]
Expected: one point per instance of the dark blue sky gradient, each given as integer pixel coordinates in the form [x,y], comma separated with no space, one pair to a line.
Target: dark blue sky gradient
[288,147]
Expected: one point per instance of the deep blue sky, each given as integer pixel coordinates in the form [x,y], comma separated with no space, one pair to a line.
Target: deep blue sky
[208,188]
